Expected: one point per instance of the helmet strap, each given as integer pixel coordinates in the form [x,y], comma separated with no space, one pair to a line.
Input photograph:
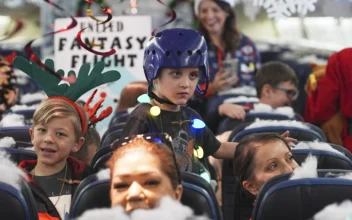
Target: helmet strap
[160,100]
[152,95]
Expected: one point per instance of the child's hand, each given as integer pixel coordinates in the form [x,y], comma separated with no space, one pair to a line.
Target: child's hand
[224,137]
[287,138]
[233,111]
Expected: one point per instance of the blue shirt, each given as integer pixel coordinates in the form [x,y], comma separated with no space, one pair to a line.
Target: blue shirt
[248,61]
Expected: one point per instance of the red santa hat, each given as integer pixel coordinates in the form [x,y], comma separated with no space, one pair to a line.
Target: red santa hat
[197,3]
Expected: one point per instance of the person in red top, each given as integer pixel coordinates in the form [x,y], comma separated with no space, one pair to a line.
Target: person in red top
[330,105]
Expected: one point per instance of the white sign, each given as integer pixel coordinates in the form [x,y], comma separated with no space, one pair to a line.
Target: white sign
[128,35]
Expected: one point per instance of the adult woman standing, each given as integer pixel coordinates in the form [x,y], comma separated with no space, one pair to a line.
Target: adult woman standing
[226,45]
[217,22]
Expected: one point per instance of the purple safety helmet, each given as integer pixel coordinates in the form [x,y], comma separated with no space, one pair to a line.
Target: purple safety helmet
[176,48]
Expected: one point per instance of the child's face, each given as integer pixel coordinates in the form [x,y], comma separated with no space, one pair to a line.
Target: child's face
[54,141]
[283,94]
[177,85]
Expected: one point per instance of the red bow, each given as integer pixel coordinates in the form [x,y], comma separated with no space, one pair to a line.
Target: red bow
[92,111]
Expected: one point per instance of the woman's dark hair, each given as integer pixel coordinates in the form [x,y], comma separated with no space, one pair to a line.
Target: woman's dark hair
[230,35]
[243,162]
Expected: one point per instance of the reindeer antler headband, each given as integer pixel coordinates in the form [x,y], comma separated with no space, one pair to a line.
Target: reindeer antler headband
[70,93]
[92,111]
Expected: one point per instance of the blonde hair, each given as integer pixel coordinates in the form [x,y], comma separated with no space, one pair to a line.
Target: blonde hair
[51,108]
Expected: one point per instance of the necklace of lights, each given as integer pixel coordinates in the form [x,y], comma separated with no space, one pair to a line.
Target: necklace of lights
[196,124]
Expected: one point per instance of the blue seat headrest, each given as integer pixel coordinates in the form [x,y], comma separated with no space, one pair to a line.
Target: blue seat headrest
[281,198]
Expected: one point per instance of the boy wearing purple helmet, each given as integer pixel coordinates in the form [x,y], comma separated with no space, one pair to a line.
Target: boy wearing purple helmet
[175,64]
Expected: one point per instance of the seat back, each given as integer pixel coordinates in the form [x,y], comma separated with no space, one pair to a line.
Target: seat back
[16,204]
[119,117]
[100,158]
[326,159]
[101,161]
[240,99]
[111,129]
[18,155]
[86,195]
[197,194]
[111,137]
[252,116]
[281,198]
[343,150]
[303,132]
[20,133]
[229,124]
[27,115]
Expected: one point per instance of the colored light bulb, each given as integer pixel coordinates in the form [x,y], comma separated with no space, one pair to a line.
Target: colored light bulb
[158,140]
[143,98]
[155,110]
[198,124]
[199,152]
[205,176]
[252,66]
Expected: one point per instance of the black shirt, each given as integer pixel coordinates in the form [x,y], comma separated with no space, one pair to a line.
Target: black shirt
[185,137]
[58,192]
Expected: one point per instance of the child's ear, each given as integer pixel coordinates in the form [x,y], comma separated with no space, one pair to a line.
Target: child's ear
[79,144]
[266,90]
[31,133]
[178,192]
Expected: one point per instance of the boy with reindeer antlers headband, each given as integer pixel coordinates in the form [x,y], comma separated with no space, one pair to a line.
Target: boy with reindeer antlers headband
[59,125]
